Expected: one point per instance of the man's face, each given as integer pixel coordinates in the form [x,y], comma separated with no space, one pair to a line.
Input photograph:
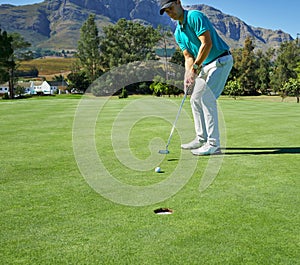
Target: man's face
[174,11]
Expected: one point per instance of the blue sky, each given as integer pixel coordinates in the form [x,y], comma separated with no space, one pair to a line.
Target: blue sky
[270,14]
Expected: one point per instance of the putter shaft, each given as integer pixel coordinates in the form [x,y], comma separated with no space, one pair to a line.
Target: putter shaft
[174,124]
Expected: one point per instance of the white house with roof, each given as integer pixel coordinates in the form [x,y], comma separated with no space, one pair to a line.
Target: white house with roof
[36,87]
[43,87]
[4,89]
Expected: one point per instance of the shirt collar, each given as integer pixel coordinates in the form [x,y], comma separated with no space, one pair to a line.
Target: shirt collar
[182,25]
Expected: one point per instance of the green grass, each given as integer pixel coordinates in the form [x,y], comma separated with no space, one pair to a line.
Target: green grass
[50,215]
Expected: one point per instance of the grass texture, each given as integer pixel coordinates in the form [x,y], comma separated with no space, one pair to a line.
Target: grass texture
[50,215]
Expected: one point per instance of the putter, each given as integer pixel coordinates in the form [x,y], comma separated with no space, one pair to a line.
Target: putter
[166,151]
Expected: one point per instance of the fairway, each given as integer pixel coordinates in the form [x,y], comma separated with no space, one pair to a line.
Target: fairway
[50,214]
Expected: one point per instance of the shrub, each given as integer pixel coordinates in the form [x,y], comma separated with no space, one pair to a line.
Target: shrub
[233,89]
[124,93]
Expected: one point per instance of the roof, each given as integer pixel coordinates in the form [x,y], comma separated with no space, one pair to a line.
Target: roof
[57,83]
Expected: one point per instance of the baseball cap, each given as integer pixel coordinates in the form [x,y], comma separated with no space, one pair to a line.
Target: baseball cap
[165,4]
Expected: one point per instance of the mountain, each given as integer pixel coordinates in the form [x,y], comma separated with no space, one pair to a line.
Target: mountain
[235,31]
[55,24]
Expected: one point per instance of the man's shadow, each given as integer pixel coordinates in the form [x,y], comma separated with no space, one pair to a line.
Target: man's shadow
[260,151]
[254,151]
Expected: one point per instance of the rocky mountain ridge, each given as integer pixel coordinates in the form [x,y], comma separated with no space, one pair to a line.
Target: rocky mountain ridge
[55,24]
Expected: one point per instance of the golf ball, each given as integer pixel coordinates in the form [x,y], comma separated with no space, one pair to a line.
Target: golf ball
[157,169]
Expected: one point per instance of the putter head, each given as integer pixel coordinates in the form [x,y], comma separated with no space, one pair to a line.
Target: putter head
[164,152]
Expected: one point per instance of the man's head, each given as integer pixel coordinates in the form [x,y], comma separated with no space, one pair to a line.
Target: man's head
[173,8]
[165,4]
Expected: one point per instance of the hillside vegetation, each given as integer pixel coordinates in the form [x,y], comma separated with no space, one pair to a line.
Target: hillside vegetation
[50,66]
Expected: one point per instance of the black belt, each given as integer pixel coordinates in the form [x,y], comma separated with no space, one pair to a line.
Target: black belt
[221,55]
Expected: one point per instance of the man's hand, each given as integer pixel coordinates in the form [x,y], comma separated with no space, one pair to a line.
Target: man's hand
[189,78]
[190,72]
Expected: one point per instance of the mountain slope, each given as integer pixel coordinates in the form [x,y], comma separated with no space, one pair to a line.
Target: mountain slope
[55,24]
[235,31]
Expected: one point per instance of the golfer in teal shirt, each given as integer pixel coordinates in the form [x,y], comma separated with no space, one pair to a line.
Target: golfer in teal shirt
[194,25]
[208,63]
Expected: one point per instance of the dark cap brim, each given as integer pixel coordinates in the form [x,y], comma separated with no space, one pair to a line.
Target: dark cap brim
[162,10]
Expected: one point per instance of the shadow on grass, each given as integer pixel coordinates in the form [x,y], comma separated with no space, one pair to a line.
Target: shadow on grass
[260,151]
[251,151]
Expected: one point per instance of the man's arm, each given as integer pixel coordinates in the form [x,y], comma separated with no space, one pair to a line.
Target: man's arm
[189,76]
[190,72]
[206,45]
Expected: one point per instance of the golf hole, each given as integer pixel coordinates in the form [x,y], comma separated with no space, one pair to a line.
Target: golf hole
[162,211]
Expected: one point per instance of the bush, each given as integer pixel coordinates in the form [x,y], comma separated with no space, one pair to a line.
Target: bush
[291,88]
[157,88]
[5,96]
[233,89]
[124,93]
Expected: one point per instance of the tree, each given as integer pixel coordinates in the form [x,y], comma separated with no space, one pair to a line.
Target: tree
[126,42]
[19,91]
[78,81]
[286,64]
[58,78]
[88,49]
[165,33]
[297,69]
[20,53]
[235,71]
[247,68]
[12,51]
[263,71]
[20,47]
[32,72]
[6,59]
[178,57]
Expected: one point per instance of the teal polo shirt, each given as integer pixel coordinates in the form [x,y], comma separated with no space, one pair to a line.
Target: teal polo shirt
[195,23]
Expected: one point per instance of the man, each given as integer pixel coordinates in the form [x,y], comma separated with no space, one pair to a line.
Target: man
[208,63]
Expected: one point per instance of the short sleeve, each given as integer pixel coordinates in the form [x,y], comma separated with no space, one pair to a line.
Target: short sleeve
[199,22]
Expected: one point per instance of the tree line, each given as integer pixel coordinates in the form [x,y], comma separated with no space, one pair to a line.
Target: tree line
[255,72]
[275,71]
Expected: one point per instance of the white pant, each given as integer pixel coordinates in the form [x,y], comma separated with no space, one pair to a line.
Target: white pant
[208,87]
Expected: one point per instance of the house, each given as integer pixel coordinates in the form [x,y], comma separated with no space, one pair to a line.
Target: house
[47,87]
[42,88]
[4,89]
[36,87]
[26,86]
[58,86]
